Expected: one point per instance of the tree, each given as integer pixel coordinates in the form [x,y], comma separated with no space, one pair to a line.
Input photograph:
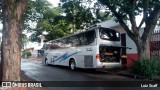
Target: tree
[34,12]
[13,11]
[61,21]
[77,14]
[128,9]
[16,17]
[70,16]
[24,40]
[83,13]
[53,23]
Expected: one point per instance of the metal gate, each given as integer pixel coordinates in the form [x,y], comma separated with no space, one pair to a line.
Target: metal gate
[155,43]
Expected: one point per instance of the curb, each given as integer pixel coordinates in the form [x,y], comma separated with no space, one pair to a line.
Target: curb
[131,75]
[124,72]
[157,79]
[136,76]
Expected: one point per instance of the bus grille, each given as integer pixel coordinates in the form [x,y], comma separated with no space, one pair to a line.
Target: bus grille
[88,61]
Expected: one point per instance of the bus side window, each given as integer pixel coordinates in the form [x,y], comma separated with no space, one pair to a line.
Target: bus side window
[79,39]
[90,36]
[56,44]
[46,46]
[64,42]
[68,42]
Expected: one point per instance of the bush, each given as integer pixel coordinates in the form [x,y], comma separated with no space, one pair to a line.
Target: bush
[26,54]
[158,64]
[148,67]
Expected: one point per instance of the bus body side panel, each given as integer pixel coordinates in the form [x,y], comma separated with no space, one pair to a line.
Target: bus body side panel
[85,57]
[49,56]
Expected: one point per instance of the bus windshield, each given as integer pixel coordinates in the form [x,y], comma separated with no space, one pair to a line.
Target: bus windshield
[109,34]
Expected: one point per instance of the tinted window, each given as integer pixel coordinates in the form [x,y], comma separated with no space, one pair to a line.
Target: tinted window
[76,40]
[84,38]
[66,42]
[56,44]
[109,34]
[89,37]
[46,46]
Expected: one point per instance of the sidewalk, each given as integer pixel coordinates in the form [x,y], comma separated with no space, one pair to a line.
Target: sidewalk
[127,74]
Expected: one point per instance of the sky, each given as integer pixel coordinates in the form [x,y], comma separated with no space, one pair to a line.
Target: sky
[54,2]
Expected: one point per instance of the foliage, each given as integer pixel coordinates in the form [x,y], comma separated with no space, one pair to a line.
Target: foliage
[127,8]
[157,61]
[24,40]
[147,68]
[83,13]
[53,23]
[26,54]
[71,16]
[34,12]
[77,14]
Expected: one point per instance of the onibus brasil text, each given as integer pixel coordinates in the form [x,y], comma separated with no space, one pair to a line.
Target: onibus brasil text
[21,84]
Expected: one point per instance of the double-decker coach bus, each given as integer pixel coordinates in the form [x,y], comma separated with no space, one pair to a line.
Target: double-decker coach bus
[95,48]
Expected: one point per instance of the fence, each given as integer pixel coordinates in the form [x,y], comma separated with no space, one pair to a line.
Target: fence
[155,43]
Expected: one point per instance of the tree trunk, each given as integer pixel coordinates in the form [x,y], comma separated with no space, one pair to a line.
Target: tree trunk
[142,49]
[13,11]
[142,45]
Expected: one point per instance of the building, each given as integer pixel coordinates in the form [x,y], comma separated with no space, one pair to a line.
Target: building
[33,47]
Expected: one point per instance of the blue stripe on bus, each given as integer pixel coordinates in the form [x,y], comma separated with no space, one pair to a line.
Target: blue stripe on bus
[65,56]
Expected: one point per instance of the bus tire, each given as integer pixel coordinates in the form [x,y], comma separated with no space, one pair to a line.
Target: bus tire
[72,64]
[46,63]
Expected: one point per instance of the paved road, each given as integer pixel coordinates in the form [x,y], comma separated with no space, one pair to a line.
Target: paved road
[39,72]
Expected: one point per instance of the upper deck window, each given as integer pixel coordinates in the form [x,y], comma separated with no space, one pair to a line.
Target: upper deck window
[109,34]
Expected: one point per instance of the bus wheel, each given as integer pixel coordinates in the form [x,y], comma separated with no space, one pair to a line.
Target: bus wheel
[46,62]
[72,65]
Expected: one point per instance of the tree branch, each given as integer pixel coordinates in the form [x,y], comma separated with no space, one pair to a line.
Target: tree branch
[120,20]
[151,22]
[21,5]
[144,13]
[132,17]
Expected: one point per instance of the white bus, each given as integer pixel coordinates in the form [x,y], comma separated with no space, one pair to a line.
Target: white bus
[94,48]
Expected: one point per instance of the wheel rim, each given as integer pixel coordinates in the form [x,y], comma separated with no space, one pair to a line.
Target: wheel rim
[72,65]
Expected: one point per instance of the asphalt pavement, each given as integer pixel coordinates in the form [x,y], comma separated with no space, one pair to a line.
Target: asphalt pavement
[39,72]
[34,70]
